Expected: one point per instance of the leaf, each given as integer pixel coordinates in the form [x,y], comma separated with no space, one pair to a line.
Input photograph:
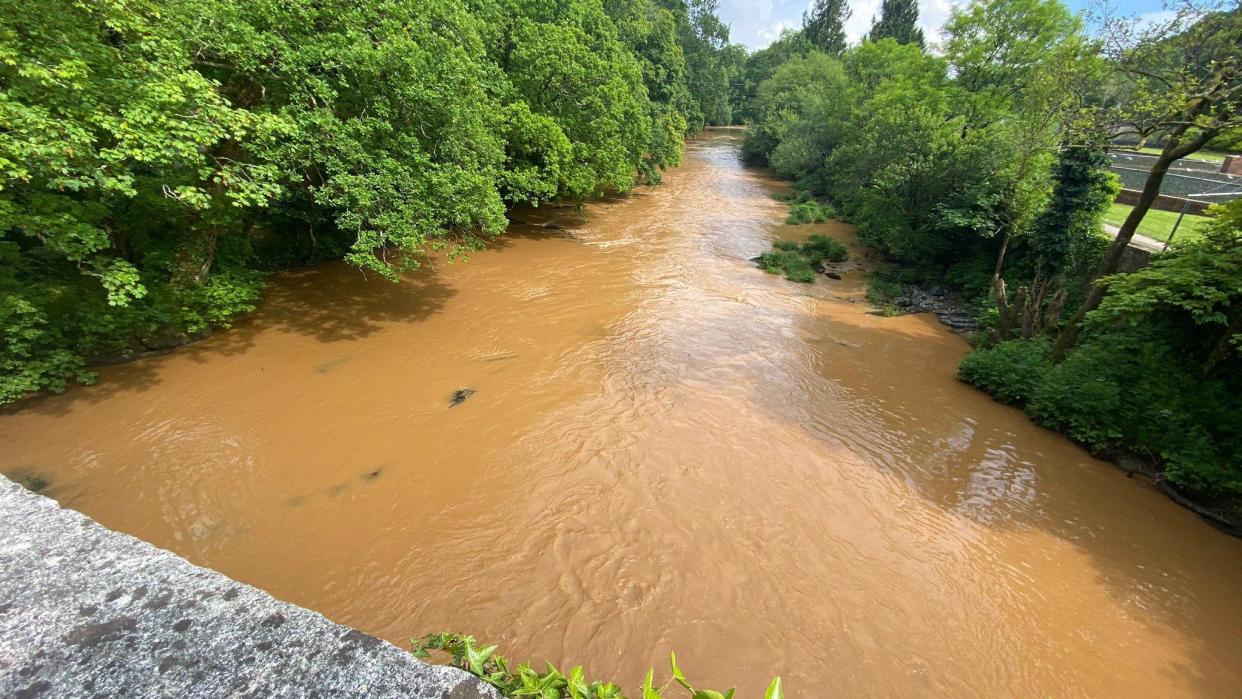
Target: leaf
[774,690]
[649,691]
[681,679]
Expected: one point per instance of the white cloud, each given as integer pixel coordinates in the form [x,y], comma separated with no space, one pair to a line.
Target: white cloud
[932,16]
[859,23]
[772,31]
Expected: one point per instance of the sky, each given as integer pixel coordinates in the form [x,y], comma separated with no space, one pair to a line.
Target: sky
[757,23]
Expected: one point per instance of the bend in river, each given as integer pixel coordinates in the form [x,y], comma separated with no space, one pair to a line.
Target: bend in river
[665,449]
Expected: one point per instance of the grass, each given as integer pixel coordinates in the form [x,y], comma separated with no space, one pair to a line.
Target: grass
[804,208]
[1157,224]
[799,262]
[885,283]
[1206,156]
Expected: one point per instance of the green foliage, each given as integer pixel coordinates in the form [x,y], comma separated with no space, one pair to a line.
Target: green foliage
[899,21]
[158,157]
[1083,190]
[809,212]
[793,265]
[1011,371]
[798,261]
[820,248]
[823,23]
[524,681]
[1157,371]
[988,158]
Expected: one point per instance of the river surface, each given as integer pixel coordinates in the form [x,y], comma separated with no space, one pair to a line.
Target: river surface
[667,449]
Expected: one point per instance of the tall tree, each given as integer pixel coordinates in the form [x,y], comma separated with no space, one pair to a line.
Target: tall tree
[899,20]
[824,25]
[1182,81]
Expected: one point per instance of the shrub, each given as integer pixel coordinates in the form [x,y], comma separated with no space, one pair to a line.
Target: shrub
[525,681]
[809,212]
[885,283]
[1124,390]
[795,267]
[820,248]
[799,261]
[1011,371]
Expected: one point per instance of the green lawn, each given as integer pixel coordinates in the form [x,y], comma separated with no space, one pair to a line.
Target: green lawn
[1157,224]
[1207,156]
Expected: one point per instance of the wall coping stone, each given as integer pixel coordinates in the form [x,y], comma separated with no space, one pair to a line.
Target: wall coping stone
[86,612]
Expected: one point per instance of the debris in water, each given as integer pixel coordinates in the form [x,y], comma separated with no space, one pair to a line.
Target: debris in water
[372,475]
[460,396]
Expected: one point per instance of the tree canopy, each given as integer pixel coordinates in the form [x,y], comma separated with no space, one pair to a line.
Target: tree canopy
[157,157]
[899,21]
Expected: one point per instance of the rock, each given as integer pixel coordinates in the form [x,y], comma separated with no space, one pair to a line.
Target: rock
[460,395]
[832,275]
[85,611]
[959,322]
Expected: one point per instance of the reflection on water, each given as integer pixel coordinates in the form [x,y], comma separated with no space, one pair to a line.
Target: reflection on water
[666,449]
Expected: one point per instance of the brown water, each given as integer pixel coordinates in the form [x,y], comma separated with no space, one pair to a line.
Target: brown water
[668,449]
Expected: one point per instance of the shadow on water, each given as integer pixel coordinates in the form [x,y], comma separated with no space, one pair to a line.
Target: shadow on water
[333,302]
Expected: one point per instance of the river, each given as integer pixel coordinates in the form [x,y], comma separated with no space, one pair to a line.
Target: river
[667,449]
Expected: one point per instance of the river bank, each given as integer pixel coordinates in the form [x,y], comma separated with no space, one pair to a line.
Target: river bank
[667,449]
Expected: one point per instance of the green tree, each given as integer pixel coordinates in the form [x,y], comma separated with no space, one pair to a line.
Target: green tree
[823,24]
[1181,80]
[899,21]
[158,158]
[1083,190]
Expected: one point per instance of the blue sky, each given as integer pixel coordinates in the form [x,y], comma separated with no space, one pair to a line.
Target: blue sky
[756,23]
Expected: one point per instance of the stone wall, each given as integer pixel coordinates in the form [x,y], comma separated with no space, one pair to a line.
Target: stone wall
[1163,202]
[85,611]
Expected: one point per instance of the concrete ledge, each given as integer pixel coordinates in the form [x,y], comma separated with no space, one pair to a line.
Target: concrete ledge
[86,611]
[1164,202]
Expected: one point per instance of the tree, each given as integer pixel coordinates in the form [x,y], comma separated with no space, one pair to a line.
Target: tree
[1181,80]
[1200,282]
[760,66]
[824,25]
[1060,238]
[1082,191]
[899,20]
[158,157]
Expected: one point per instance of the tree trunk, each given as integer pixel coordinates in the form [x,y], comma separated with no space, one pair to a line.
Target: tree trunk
[1000,259]
[1173,151]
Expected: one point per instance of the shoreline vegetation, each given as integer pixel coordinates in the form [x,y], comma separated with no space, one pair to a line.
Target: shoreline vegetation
[153,175]
[977,174]
[160,159]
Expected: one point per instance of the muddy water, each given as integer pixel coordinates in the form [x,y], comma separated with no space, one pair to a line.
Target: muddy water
[666,449]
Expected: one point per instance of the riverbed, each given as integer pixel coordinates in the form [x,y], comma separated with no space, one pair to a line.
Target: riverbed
[665,449]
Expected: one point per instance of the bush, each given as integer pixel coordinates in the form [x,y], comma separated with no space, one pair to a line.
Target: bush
[820,248]
[1124,391]
[795,267]
[799,261]
[1011,371]
[809,212]
[1128,390]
